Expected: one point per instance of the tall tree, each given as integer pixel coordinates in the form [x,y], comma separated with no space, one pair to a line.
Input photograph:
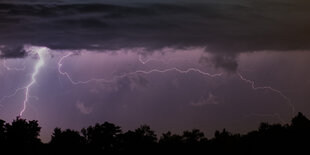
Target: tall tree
[23,135]
[102,137]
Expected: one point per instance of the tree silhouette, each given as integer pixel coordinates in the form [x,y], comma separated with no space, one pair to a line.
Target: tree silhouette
[171,139]
[145,135]
[23,135]
[142,140]
[67,141]
[225,142]
[102,137]
[171,143]
[194,136]
[300,133]
[301,122]
[193,141]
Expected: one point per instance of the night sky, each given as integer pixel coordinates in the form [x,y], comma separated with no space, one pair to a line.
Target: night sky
[172,64]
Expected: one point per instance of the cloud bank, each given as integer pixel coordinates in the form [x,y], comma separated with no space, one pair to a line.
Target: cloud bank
[225,28]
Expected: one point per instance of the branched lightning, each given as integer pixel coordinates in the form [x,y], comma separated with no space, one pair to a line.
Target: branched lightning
[38,65]
[39,51]
[60,63]
[252,83]
[65,73]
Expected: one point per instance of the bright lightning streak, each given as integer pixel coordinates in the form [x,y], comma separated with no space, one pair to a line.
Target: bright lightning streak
[65,73]
[60,63]
[174,69]
[40,51]
[252,83]
[253,87]
[38,65]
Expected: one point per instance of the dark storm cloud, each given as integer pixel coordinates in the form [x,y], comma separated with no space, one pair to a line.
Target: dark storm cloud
[223,27]
[12,52]
[224,61]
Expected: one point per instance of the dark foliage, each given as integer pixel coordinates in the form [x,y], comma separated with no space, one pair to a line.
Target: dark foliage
[67,141]
[21,136]
[102,137]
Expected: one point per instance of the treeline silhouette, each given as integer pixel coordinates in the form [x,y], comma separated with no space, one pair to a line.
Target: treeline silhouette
[22,137]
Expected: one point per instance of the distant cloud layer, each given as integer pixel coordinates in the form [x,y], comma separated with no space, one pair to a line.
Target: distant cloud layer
[225,28]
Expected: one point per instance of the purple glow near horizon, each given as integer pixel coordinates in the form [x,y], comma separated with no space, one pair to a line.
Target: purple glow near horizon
[160,99]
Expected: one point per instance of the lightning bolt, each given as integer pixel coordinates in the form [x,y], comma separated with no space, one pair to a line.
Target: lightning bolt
[40,63]
[37,67]
[40,52]
[252,83]
[60,63]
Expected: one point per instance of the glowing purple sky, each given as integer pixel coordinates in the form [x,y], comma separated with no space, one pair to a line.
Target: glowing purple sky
[147,62]
[170,100]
